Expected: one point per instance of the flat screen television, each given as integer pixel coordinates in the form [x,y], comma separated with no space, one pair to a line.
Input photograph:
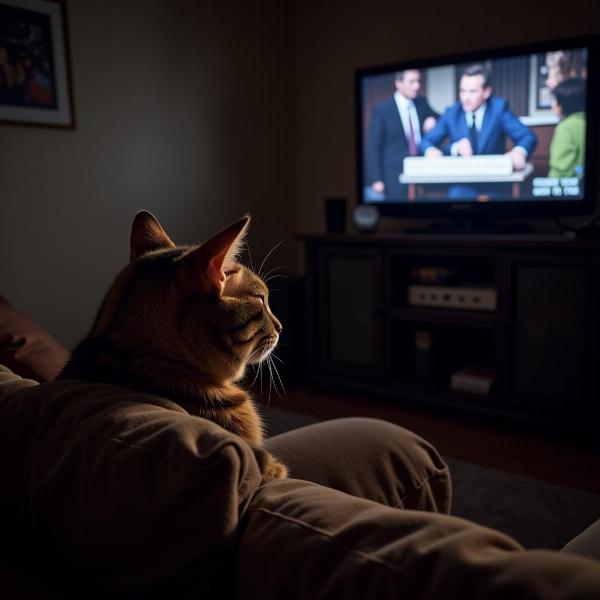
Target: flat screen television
[502,132]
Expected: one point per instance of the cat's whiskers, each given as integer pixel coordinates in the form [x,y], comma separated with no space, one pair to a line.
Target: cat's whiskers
[269,254]
[257,365]
[278,375]
[273,381]
[272,271]
[259,349]
[260,365]
[268,361]
[272,367]
[261,362]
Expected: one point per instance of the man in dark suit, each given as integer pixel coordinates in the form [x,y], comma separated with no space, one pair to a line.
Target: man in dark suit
[479,123]
[396,128]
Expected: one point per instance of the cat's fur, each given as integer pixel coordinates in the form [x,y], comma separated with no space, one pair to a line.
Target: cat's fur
[184,322]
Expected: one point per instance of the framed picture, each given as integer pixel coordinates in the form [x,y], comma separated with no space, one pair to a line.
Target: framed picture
[35,71]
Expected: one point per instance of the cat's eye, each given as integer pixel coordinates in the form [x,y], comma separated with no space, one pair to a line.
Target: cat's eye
[261,297]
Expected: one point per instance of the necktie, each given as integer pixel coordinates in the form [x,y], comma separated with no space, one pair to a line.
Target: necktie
[412,141]
[473,134]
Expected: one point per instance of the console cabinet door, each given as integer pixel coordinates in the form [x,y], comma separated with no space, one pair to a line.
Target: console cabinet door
[553,345]
[350,320]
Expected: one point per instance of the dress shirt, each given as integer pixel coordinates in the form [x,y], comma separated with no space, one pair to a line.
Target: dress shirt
[407,111]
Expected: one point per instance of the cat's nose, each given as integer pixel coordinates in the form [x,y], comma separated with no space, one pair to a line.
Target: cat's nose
[278,325]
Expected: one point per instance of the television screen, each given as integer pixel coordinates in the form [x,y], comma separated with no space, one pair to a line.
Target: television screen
[506,127]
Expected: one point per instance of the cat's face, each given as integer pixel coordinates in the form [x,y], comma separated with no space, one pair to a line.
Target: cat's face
[253,330]
[234,329]
[195,307]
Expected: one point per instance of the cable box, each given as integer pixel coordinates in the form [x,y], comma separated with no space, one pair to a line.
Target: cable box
[441,296]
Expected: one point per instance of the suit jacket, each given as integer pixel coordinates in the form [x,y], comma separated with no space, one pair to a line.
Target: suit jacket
[388,145]
[499,122]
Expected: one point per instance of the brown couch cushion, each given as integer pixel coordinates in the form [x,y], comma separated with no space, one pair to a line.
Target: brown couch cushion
[302,541]
[120,494]
[27,348]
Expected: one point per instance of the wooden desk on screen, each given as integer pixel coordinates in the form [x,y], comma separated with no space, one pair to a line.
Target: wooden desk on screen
[516,178]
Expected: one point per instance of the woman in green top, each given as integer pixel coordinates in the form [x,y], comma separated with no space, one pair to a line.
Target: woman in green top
[567,148]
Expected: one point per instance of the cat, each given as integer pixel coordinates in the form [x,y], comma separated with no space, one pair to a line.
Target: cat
[184,322]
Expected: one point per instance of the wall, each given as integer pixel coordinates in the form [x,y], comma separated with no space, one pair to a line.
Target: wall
[183,108]
[201,111]
[335,38]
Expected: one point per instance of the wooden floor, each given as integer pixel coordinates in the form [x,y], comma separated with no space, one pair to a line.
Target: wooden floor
[557,461]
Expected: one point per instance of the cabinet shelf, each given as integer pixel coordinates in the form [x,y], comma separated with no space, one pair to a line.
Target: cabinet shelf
[444,316]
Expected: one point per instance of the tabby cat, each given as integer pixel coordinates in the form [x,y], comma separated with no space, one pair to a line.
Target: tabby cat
[184,322]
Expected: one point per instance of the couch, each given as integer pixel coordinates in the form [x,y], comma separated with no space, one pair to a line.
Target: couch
[111,493]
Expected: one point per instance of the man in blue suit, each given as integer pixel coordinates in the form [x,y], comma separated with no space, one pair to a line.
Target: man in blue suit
[479,123]
[396,129]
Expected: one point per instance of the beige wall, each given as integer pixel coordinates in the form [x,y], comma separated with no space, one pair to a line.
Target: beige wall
[184,108]
[334,38]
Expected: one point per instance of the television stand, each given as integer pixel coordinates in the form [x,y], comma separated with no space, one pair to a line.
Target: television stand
[403,315]
[466,226]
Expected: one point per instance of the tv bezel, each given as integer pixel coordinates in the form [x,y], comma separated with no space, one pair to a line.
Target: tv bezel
[509,208]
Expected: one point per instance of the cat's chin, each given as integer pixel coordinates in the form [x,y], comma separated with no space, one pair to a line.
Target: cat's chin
[266,346]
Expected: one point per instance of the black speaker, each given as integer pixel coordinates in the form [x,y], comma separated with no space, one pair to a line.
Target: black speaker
[335,215]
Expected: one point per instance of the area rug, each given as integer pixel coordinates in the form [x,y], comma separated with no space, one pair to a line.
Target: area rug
[537,514]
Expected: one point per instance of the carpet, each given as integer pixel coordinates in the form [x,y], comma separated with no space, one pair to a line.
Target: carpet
[535,513]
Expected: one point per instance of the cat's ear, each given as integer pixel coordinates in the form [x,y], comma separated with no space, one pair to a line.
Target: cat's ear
[207,265]
[147,235]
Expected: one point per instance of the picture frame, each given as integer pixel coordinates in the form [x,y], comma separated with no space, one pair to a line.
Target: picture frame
[35,68]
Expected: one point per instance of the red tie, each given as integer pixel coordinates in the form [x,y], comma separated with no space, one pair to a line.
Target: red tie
[412,142]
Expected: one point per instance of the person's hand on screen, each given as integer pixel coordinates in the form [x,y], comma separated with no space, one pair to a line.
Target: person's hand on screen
[433,151]
[518,159]
[463,147]
[378,187]
[428,124]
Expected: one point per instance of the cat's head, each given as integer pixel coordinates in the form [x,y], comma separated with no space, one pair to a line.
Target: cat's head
[194,306]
